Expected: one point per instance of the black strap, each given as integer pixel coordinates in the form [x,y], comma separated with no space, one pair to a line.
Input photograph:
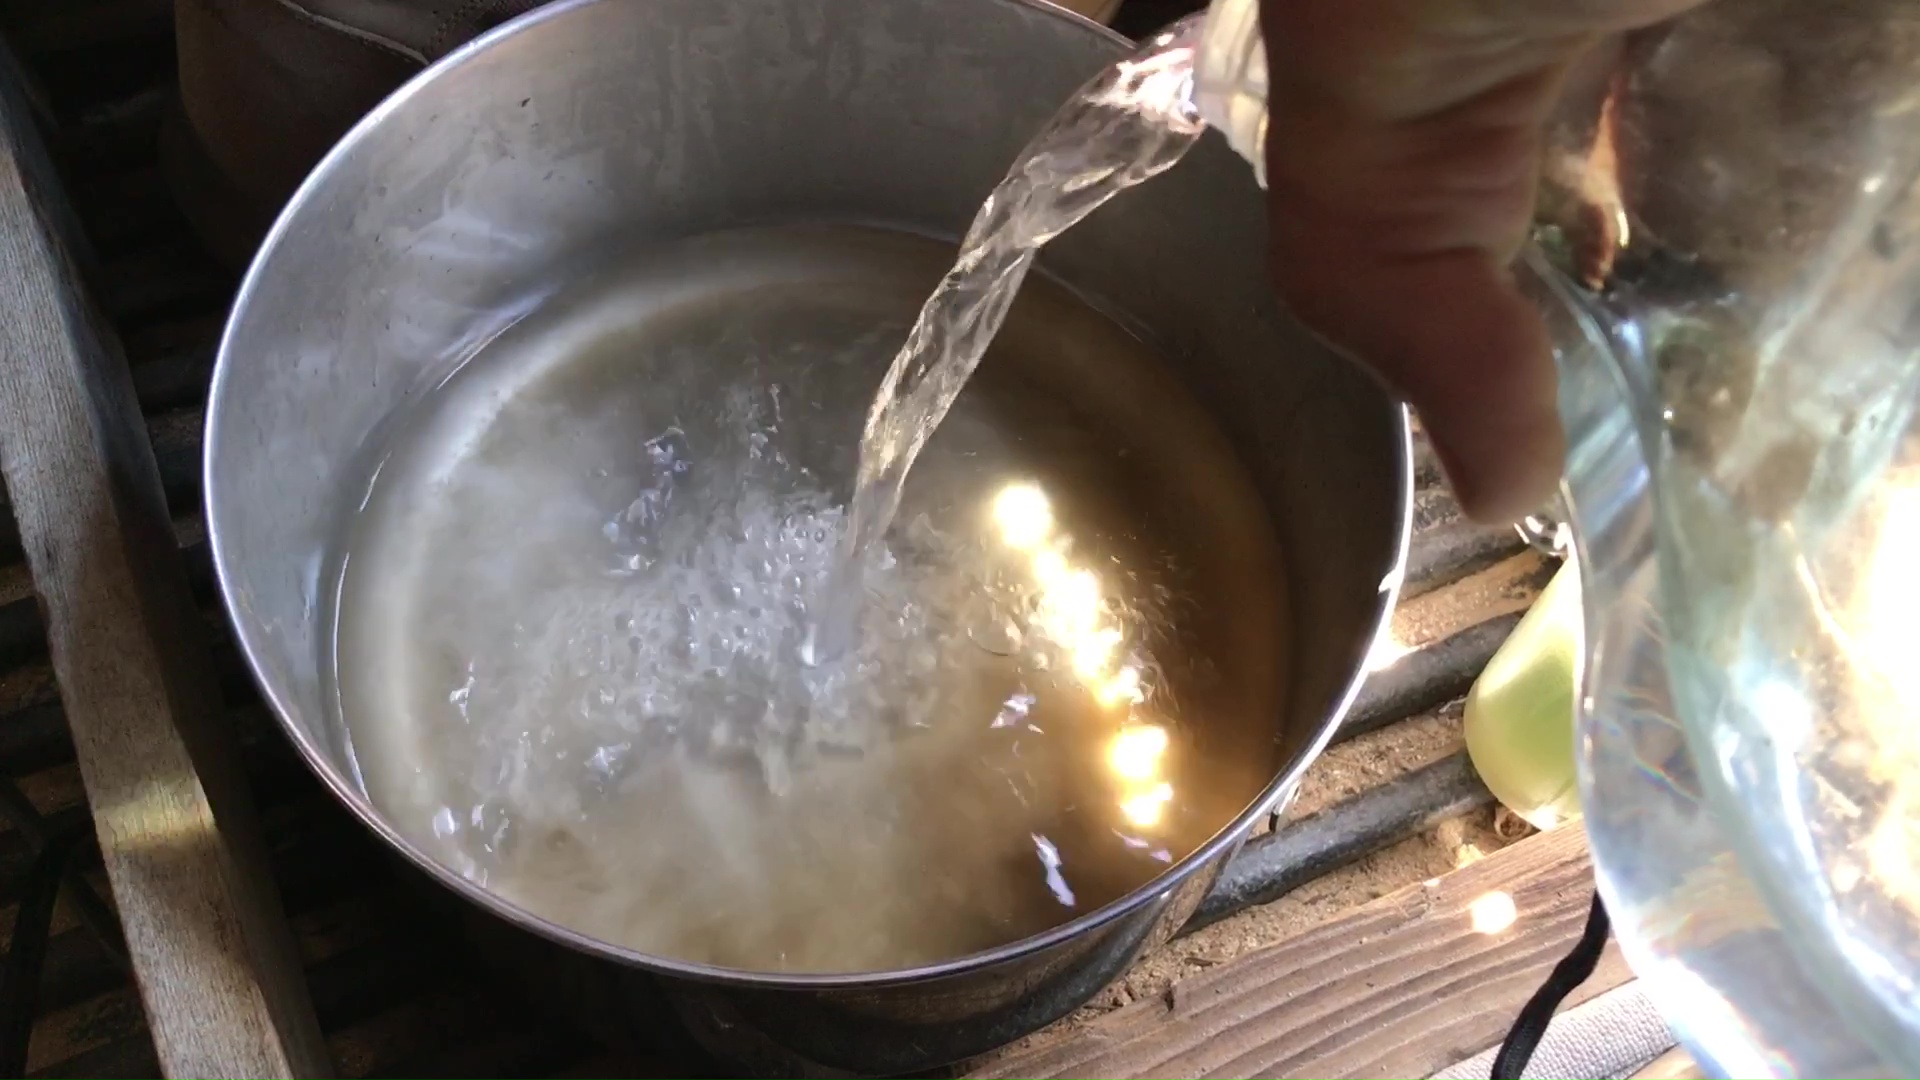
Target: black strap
[1573,969]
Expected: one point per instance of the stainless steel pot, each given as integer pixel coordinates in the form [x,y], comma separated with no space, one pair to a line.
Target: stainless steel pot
[651,119]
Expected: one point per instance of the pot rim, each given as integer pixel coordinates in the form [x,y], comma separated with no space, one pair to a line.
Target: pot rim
[250,635]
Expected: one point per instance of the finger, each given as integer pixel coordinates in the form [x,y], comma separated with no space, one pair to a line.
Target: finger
[1464,178]
[1390,240]
[1543,17]
[1406,59]
[1453,335]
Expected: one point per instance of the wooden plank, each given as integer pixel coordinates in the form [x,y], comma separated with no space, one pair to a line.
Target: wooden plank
[218,975]
[1675,1064]
[1403,986]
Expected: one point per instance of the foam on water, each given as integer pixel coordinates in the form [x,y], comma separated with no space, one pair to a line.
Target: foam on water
[647,664]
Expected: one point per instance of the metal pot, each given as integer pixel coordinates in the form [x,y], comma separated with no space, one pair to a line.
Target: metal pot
[663,118]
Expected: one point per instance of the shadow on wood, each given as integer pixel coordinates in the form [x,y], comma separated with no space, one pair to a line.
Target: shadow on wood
[222,988]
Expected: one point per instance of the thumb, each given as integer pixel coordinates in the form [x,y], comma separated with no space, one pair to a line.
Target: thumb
[1467,350]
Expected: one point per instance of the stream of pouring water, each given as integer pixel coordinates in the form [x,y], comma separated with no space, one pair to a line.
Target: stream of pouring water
[1128,124]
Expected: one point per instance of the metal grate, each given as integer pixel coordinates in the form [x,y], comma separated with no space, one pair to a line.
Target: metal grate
[395,989]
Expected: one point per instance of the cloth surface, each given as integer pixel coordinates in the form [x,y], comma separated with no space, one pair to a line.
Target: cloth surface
[1611,1037]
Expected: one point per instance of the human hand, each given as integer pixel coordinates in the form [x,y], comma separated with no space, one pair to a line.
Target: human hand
[1403,153]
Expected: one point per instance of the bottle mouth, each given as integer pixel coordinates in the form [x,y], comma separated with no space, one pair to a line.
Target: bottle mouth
[1230,78]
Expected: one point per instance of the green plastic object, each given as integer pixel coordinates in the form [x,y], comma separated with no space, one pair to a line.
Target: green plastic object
[1519,720]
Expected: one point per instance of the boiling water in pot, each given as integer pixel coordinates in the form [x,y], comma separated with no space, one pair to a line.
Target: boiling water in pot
[570,608]
[578,611]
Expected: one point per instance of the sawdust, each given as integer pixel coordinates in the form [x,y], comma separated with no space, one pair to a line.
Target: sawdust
[1452,845]
[1365,763]
[1500,589]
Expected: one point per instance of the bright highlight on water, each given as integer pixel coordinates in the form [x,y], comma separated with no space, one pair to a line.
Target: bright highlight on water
[1070,611]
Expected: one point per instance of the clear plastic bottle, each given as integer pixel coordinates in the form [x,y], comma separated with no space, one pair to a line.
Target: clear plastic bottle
[1728,255]
[1230,79]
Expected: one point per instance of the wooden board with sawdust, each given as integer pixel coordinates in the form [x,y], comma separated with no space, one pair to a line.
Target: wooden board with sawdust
[1403,986]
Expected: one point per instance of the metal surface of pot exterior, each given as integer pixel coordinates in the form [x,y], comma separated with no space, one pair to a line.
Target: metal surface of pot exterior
[643,120]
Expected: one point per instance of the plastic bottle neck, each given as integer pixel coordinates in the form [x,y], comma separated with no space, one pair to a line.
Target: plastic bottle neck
[1230,79]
